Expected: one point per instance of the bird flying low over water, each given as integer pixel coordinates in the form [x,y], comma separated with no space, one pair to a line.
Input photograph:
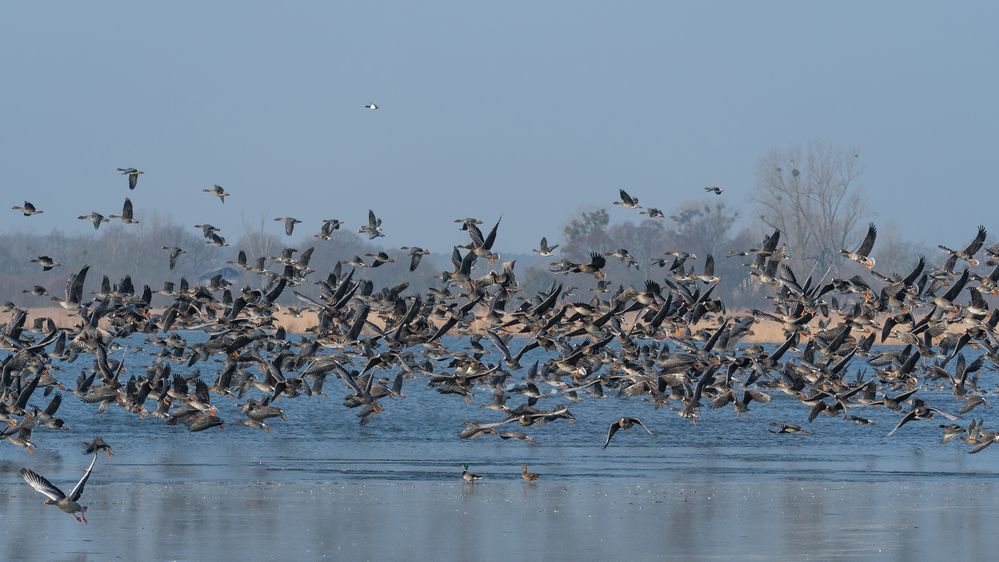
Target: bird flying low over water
[67,503]
[624,423]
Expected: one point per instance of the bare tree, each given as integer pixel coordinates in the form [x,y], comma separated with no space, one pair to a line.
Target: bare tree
[811,194]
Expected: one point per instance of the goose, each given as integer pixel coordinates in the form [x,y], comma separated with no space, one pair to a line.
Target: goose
[289,224]
[326,231]
[624,423]
[126,216]
[374,227]
[95,218]
[714,189]
[372,106]
[861,254]
[28,209]
[416,254]
[968,254]
[133,176]
[96,446]
[627,201]
[175,252]
[545,250]
[68,504]
[218,191]
[46,262]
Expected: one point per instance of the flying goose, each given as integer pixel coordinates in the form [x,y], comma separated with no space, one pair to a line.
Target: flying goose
[95,218]
[133,175]
[627,201]
[289,224]
[624,423]
[56,497]
[372,106]
[545,250]
[374,227]
[862,254]
[416,253]
[968,254]
[46,262]
[126,216]
[218,191]
[27,209]
[175,252]
[714,189]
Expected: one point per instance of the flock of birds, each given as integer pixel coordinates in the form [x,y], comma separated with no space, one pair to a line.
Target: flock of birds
[670,342]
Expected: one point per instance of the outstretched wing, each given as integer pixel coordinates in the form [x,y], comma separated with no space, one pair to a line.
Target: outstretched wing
[78,489]
[868,244]
[641,423]
[614,426]
[977,243]
[41,484]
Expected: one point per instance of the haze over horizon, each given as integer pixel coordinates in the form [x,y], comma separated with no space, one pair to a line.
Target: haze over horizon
[483,114]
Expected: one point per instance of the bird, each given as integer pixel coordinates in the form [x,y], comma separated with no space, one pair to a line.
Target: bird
[624,423]
[545,250]
[67,503]
[415,255]
[372,106]
[862,254]
[529,476]
[175,252]
[714,189]
[627,201]
[217,191]
[468,476]
[126,216]
[652,213]
[133,176]
[46,262]
[289,224]
[96,446]
[788,428]
[326,231]
[28,209]
[95,218]
[374,227]
[968,254]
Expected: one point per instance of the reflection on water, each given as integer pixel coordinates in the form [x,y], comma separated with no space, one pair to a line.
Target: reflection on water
[682,519]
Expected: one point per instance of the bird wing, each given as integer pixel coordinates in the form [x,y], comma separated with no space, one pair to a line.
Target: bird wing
[616,425]
[78,489]
[126,209]
[908,418]
[626,198]
[977,243]
[868,244]
[42,485]
[641,423]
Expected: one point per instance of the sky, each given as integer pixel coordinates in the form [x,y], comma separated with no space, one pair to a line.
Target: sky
[525,110]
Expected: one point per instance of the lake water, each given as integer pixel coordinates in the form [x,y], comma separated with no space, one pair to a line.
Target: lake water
[320,485]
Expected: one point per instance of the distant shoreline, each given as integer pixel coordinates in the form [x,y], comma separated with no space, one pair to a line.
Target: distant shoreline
[764,331]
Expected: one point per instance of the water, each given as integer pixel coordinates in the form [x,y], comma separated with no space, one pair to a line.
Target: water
[322,485]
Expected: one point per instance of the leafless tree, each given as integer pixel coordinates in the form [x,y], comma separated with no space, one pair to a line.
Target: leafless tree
[812,195]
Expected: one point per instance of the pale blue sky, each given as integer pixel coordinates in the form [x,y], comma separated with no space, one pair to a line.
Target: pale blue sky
[525,109]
